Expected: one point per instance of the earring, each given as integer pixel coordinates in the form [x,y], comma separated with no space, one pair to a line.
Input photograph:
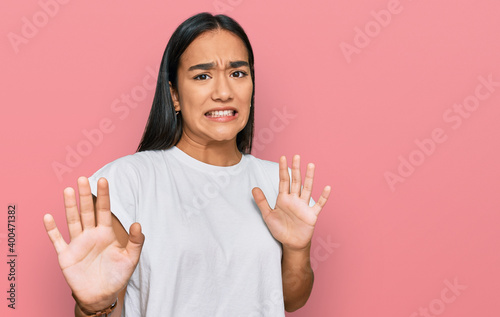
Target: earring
[177,112]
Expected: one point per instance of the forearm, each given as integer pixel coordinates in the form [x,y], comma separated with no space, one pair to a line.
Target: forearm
[298,277]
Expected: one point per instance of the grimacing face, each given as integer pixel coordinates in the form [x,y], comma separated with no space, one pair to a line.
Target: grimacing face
[214,89]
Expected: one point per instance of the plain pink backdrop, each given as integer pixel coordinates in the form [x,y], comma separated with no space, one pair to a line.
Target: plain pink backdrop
[352,86]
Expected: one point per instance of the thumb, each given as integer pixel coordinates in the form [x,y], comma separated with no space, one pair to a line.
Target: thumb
[135,241]
[261,201]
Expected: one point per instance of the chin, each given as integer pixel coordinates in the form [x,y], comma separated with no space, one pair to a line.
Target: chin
[224,134]
[223,139]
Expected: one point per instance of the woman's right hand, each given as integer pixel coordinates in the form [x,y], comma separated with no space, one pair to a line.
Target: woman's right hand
[95,265]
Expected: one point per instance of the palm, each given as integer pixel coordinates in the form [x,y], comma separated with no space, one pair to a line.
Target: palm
[292,221]
[94,264]
[97,256]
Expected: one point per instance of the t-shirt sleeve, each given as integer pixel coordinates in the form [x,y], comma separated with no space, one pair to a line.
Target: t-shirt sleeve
[123,189]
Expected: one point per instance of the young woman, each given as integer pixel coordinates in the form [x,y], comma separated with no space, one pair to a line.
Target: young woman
[212,243]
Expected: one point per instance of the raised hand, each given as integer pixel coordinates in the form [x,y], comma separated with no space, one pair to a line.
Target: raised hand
[292,221]
[95,265]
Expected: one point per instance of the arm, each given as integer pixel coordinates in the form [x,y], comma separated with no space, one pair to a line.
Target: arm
[298,277]
[292,223]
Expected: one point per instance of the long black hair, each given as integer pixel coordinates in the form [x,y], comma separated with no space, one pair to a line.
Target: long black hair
[164,128]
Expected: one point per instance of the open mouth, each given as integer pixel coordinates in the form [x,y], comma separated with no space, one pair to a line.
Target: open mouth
[221,113]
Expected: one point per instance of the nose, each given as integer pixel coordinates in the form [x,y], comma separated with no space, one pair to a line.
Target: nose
[222,89]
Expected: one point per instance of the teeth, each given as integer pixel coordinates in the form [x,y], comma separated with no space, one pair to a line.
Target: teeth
[223,113]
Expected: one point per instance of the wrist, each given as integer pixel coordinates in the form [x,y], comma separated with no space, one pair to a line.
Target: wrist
[103,312]
[297,257]
[103,308]
[305,250]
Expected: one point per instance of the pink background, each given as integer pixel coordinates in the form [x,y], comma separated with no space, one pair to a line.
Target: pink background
[378,249]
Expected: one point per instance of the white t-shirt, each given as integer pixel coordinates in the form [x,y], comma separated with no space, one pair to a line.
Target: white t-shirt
[207,252]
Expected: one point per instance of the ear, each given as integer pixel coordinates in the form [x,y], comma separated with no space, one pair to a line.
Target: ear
[175,97]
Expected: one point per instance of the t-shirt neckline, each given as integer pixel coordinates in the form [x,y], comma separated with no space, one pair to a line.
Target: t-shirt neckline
[191,161]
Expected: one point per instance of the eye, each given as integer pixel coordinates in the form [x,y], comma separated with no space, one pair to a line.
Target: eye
[199,76]
[243,74]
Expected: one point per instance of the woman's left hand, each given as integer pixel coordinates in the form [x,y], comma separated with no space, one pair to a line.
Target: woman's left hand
[292,221]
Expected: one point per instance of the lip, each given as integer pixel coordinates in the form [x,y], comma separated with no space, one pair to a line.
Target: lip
[223,119]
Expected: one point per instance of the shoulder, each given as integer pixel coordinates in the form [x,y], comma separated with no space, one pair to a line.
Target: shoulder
[138,161]
[269,167]
[131,168]
[264,164]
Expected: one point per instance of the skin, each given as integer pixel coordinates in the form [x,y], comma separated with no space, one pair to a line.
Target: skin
[201,90]
[101,257]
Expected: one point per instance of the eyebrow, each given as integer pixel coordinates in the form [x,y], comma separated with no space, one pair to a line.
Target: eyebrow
[208,66]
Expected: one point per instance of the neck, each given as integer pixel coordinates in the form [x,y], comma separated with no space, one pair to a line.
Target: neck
[217,153]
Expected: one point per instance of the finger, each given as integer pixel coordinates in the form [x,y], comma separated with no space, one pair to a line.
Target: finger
[322,200]
[135,242]
[284,186]
[261,201]
[296,178]
[72,215]
[103,212]
[54,234]
[86,203]
[308,183]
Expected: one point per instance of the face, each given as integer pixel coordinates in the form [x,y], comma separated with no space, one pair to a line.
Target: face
[214,90]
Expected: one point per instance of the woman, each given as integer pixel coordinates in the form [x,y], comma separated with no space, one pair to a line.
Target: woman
[195,191]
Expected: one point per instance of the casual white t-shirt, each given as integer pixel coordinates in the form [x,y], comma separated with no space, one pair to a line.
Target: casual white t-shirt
[207,251]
